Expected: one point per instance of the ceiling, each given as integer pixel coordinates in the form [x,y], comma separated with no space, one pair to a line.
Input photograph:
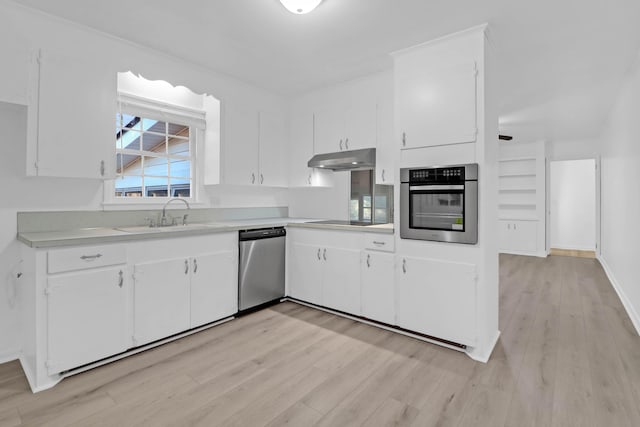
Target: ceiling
[561,62]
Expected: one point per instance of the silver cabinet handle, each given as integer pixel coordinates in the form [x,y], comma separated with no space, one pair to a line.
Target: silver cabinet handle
[382,175]
[101,167]
[318,254]
[253,178]
[368,260]
[120,278]
[346,143]
[186,266]
[404,266]
[90,257]
[324,254]
[261,179]
[375,242]
[309,179]
[404,139]
[195,266]
[340,145]
[514,226]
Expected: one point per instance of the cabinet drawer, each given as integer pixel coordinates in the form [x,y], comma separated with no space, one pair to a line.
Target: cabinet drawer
[379,242]
[85,257]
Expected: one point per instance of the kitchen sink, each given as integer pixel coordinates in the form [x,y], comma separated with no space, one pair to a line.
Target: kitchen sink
[167,229]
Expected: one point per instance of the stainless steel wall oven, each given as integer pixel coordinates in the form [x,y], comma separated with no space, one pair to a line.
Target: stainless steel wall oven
[440,203]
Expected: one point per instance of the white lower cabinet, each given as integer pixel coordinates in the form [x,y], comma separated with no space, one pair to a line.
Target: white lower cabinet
[378,286]
[341,279]
[518,236]
[306,268]
[161,299]
[437,298]
[214,289]
[195,287]
[86,317]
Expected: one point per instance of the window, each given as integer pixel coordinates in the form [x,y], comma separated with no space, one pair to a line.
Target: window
[370,203]
[155,149]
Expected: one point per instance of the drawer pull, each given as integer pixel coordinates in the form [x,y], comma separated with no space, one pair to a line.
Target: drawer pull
[404,266]
[90,257]
[318,254]
[186,266]
[379,243]
[368,260]
[120,278]
[195,266]
[324,254]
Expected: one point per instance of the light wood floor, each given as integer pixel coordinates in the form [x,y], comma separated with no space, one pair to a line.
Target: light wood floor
[568,355]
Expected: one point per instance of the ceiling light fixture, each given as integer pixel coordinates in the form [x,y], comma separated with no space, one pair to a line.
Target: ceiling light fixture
[300,6]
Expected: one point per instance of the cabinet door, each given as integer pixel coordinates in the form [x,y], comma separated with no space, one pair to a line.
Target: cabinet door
[329,131]
[341,280]
[385,148]
[300,148]
[378,289]
[505,237]
[241,145]
[360,125]
[305,279]
[214,287]
[273,170]
[435,105]
[86,317]
[524,236]
[76,117]
[161,299]
[437,298]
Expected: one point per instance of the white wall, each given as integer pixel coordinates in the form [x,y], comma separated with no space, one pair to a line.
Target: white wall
[573,149]
[572,187]
[22,30]
[620,208]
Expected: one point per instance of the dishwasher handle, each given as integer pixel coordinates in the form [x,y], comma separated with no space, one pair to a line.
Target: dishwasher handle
[262,233]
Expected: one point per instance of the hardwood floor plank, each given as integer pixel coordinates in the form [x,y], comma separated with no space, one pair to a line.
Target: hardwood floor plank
[296,415]
[10,418]
[392,413]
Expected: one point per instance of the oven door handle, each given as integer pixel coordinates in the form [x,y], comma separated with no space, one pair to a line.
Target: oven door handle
[435,187]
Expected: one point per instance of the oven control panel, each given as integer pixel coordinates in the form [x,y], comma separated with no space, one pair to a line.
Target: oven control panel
[448,175]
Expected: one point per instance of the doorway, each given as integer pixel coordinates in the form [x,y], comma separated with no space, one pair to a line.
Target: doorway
[572,210]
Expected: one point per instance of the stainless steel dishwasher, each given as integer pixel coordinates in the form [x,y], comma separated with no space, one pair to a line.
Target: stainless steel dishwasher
[261,275]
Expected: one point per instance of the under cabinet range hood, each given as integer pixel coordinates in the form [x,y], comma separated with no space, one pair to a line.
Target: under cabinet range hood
[345,160]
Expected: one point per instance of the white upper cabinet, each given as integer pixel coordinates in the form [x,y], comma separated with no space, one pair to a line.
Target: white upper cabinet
[72,122]
[272,147]
[242,130]
[435,100]
[300,148]
[340,128]
[254,148]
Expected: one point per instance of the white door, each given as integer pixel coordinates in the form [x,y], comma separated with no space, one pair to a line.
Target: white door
[273,171]
[161,299]
[76,117]
[437,298]
[572,185]
[341,280]
[241,145]
[306,267]
[214,287]
[329,132]
[378,287]
[435,104]
[86,317]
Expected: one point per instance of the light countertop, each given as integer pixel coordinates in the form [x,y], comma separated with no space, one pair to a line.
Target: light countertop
[92,236]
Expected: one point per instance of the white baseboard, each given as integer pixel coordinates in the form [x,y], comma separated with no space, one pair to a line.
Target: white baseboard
[539,254]
[9,355]
[484,356]
[626,303]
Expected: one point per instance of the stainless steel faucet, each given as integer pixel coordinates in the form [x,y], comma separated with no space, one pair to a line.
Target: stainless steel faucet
[163,218]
